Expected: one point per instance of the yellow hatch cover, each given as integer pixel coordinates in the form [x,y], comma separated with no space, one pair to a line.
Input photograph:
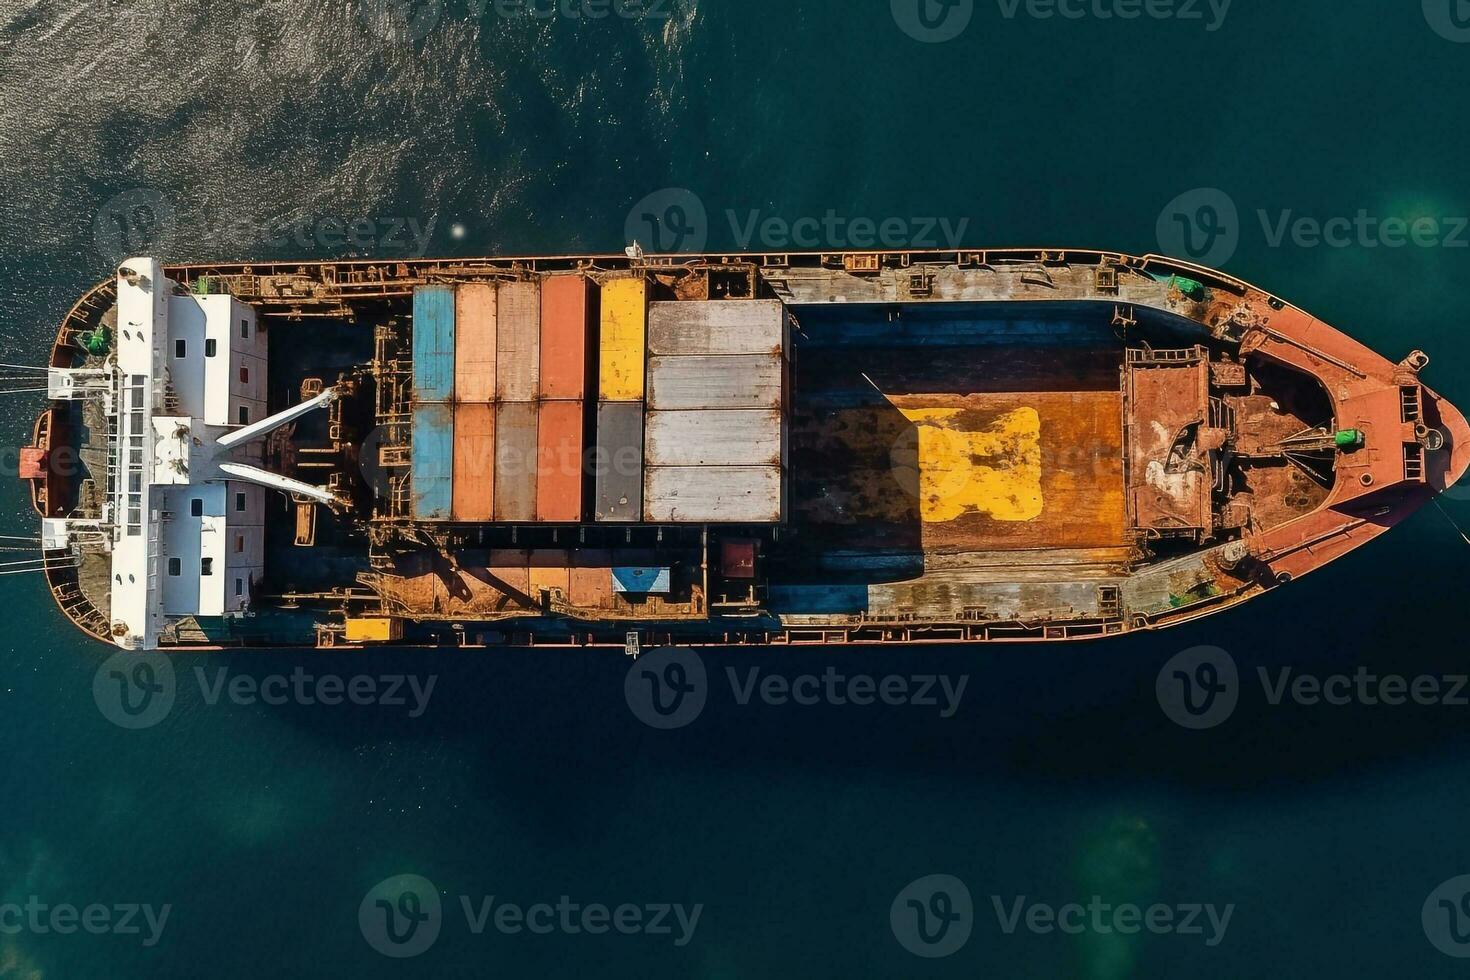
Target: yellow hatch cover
[995,470]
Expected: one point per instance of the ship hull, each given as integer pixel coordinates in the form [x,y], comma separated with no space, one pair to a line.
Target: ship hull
[1001,445]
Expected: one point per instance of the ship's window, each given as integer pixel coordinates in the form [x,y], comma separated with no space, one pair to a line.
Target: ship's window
[239,544]
[244,414]
[206,566]
[176,566]
[240,501]
[196,507]
[244,375]
[244,329]
[179,348]
[239,586]
[209,347]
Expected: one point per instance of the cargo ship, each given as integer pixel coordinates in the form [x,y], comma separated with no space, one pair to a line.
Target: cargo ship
[636,450]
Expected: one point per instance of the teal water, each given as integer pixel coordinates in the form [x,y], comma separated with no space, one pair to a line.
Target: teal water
[527,776]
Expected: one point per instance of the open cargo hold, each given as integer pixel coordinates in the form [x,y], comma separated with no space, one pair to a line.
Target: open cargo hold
[719,381]
[759,326]
[515,461]
[622,344]
[713,438]
[433,344]
[560,469]
[474,342]
[517,341]
[713,494]
[618,462]
[568,304]
[474,462]
[433,461]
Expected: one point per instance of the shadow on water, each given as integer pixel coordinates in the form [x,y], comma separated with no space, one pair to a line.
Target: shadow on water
[553,728]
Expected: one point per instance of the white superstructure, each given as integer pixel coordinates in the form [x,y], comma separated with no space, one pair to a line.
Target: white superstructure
[185,395]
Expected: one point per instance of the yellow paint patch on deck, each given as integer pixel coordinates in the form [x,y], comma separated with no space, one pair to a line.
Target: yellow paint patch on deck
[994,469]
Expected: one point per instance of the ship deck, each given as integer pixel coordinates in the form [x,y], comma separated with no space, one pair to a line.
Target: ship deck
[931,431]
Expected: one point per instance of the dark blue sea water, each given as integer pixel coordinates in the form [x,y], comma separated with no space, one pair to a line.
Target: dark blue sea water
[271,130]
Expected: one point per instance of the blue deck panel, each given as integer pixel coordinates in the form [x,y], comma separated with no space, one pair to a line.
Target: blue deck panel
[433,344]
[433,462]
[1015,324]
[641,579]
